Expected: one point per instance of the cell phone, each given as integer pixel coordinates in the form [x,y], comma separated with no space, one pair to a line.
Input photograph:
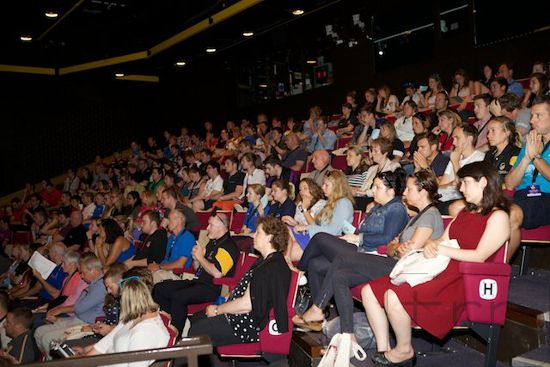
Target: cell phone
[423,88]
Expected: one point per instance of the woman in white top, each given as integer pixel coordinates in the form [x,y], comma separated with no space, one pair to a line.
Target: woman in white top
[404,124]
[140,325]
[212,190]
[250,164]
[463,89]
[434,87]
[386,102]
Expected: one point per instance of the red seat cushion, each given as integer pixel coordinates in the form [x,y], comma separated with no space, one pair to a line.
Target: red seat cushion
[536,234]
[249,349]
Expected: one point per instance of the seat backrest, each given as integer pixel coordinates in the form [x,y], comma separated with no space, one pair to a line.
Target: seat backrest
[203,219]
[339,162]
[486,288]
[237,221]
[271,341]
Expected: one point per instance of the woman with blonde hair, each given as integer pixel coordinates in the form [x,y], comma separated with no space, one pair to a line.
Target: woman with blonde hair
[337,211]
[140,325]
[385,101]
[448,120]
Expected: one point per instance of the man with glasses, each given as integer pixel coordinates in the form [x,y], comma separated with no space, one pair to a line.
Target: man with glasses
[216,260]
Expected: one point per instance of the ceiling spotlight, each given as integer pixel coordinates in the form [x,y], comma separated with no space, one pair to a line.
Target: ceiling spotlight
[51,14]
[25,38]
[248,34]
[297,12]
[181,63]
[262,85]
[381,52]
[210,50]
[311,61]
[119,75]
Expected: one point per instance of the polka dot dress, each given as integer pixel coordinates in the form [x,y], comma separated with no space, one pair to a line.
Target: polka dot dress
[244,326]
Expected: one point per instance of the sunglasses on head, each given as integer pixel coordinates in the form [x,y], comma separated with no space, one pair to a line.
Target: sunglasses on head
[121,283]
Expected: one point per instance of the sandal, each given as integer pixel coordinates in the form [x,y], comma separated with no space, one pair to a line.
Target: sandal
[299,322]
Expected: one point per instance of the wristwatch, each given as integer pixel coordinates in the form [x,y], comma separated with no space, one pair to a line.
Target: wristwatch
[216,311]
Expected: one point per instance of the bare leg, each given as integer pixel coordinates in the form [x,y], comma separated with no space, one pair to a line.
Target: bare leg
[401,325]
[516,218]
[377,319]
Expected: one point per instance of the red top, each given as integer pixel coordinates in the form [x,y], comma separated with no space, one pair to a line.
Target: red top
[437,305]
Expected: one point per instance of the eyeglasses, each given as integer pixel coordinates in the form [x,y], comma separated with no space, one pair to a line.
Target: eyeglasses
[121,283]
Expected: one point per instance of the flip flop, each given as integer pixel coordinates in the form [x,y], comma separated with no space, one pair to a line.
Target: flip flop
[308,325]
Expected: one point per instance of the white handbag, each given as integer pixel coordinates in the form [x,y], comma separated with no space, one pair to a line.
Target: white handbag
[340,350]
[415,269]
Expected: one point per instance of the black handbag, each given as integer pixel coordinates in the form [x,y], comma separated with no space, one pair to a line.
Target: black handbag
[303,299]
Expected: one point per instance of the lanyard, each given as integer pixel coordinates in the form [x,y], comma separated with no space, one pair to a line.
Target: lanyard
[536,172]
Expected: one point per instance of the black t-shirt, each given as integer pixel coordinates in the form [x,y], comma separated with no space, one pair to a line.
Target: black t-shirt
[152,247]
[398,146]
[75,236]
[231,182]
[345,121]
[224,254]
[291,157]
[505,161]
[279,210]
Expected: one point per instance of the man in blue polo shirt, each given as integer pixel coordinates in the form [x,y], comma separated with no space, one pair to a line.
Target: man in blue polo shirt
[530,176]
[178,248]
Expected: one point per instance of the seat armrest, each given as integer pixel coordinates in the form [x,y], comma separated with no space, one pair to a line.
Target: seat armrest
[229,281]
[494,269]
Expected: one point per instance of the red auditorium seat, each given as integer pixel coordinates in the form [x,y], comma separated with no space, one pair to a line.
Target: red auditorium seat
[271,341]
[342,142]
[237,221]
[484,312]
[339,162]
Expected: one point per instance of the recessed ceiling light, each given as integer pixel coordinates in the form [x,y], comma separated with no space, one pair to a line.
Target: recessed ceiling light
[211,50]
[181,63]
[25,38]
[297,12]
[119,75]
[311,61]
[248,34]
[51,14]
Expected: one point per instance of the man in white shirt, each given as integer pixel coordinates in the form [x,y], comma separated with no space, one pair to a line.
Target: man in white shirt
[463,153]
[404,124]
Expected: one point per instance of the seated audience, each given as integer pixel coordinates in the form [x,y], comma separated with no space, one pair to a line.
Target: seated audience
[232,185]
[434,88]
[421,125]
[263,289]
[382,224]
[178,248]
[483,115]
[296,157]
[429,156]
[530,175]
[251,165]
[276,171]
[355,267]
[282,204]
[213,189]
[86,309]
[462,90]
[152,242]
[385,101]
[509,105]
[448,120]
[321,164]
[504,144]
[255,210]
[404,124]
[486,220]
[216,260]
[387,131]
[538,86]
[110,245]
[170,202]
[337,211]
[348,121]
[22,347]
[506,71]
[322,137]
[140,326]
[356,172]
[364,128]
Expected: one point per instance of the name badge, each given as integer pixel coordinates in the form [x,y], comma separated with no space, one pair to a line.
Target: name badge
[534,190]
